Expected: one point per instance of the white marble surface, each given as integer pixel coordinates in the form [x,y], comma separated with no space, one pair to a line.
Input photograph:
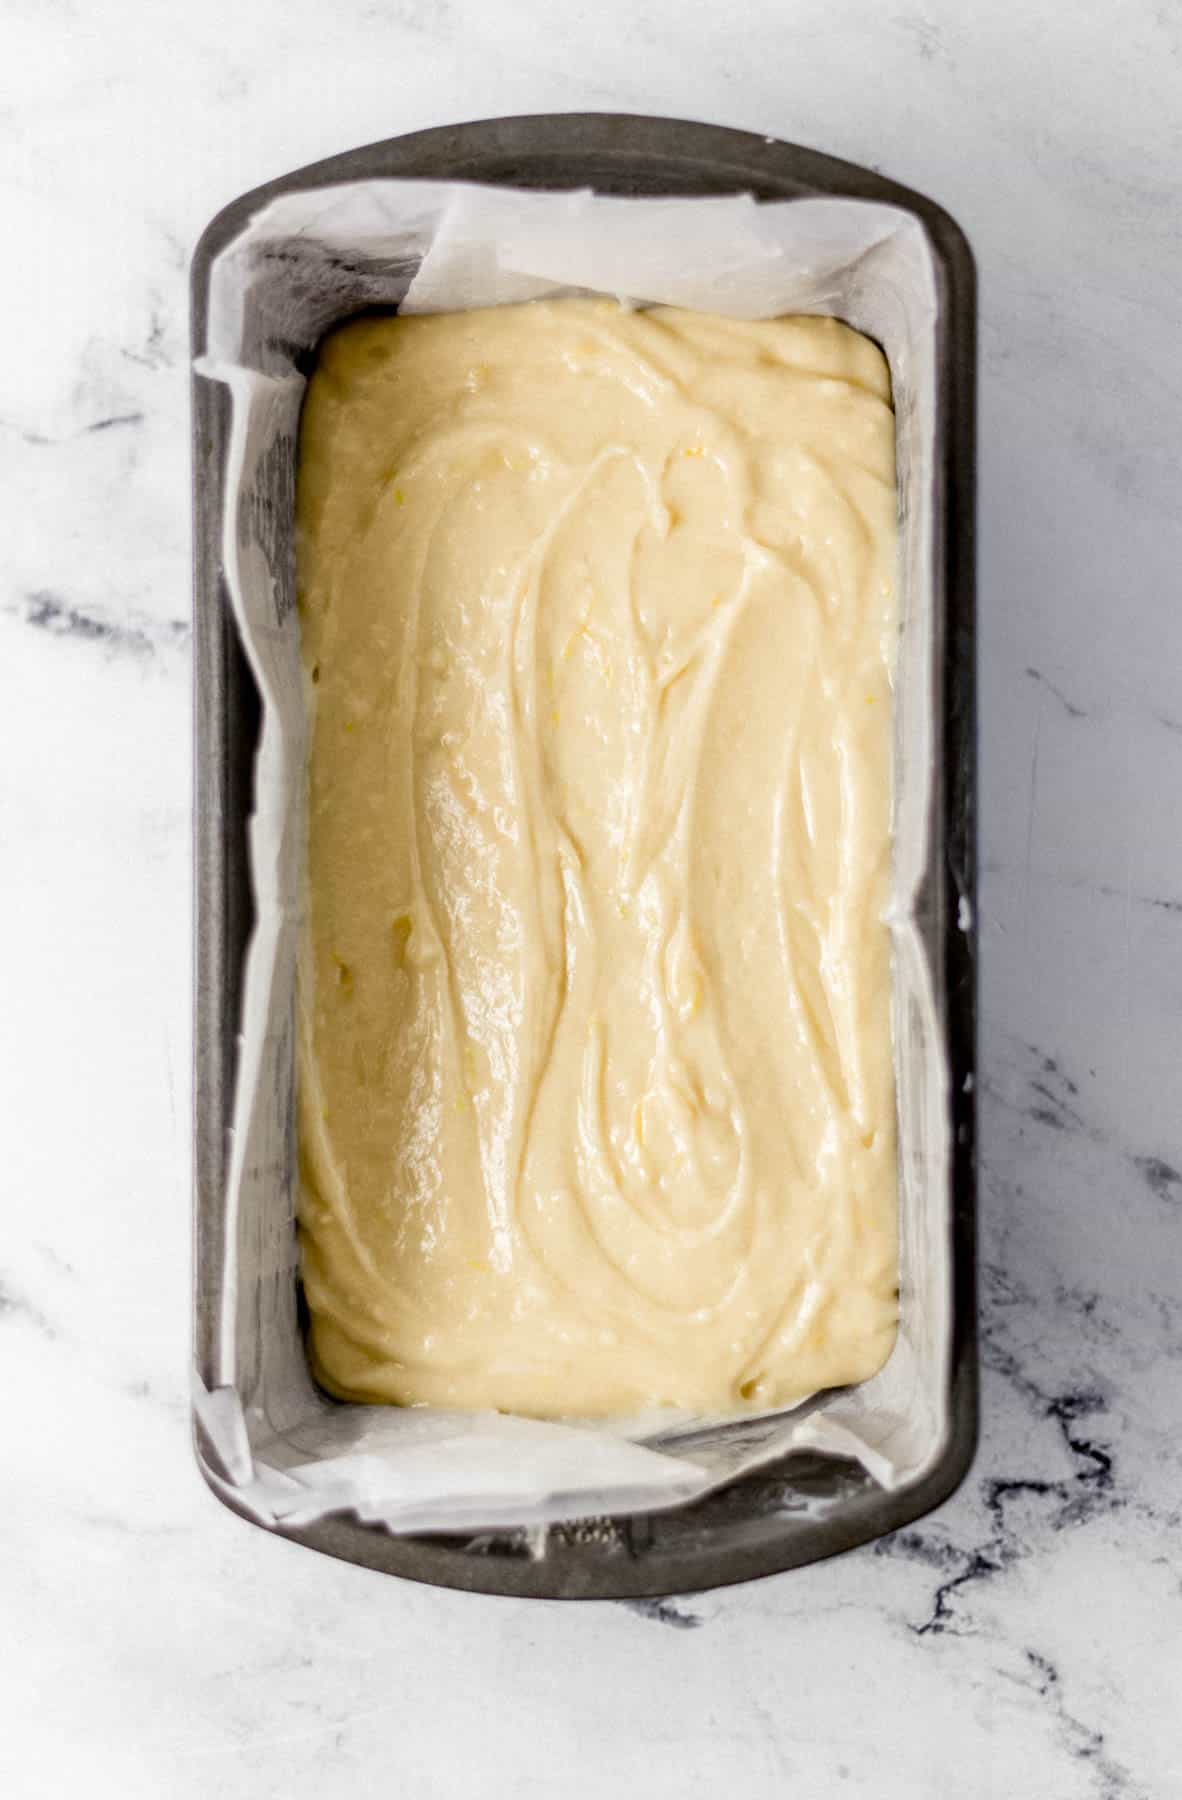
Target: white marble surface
[1027,1639]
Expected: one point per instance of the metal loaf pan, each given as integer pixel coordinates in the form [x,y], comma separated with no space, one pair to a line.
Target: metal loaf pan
[808,1506]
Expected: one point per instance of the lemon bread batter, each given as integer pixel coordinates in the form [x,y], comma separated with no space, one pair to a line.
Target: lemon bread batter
[596,1094]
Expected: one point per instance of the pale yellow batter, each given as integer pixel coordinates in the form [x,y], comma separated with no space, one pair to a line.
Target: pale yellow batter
[596,1095]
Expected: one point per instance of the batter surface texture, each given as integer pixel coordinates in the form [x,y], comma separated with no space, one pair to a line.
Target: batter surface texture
[596,1093]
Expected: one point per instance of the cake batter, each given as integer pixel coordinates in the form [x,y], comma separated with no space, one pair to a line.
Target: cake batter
[596,1093]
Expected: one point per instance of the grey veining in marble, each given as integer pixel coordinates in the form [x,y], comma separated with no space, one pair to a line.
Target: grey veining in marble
[1027,1638]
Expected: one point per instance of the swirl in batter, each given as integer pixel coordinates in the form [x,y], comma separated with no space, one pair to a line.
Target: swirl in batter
[596,1092]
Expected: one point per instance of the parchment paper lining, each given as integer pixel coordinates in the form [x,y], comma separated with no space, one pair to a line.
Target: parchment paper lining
[304,263]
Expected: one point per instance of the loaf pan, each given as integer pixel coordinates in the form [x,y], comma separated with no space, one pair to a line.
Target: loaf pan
[808,1506]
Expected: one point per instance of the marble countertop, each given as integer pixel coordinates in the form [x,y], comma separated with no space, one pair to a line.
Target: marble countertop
[1027,1638]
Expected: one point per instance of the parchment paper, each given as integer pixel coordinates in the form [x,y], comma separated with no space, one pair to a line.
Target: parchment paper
[304,263]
